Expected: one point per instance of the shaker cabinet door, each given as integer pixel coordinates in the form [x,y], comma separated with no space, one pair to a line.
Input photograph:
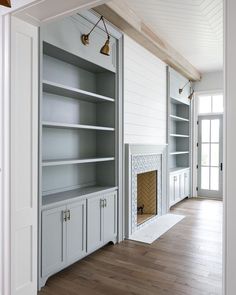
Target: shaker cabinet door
[110,217]
[76,231]
[94,223]
[53,240]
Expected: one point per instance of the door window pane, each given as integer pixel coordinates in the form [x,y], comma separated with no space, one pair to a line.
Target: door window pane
[217,103]
[215,130]
[204,105]
[205,130]
[205,157]
[215,178]
[215,154]
[205,178]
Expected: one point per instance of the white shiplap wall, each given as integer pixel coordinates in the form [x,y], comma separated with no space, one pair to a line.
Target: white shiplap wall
[144,95]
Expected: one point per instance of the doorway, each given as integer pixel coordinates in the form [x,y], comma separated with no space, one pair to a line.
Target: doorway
[210,146]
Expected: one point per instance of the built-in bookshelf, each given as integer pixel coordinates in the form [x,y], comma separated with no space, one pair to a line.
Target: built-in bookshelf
[179,136]
[78,126]
[179,131]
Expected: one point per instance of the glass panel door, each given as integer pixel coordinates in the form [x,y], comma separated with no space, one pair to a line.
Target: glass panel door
[210,154]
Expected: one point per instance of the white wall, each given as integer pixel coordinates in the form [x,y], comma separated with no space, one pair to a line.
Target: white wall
[210,81]
[144,95]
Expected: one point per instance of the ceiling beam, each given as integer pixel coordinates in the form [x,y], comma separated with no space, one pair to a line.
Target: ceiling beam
[123,17]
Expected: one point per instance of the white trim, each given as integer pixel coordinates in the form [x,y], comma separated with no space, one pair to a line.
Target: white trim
[195,133]
[5,156]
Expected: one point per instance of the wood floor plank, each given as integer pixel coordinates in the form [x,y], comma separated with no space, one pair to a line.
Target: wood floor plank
[187,260]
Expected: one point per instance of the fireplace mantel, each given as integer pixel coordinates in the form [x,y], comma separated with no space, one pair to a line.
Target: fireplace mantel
[141,158]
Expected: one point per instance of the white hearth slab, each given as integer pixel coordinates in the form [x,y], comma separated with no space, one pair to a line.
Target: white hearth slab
[152,231]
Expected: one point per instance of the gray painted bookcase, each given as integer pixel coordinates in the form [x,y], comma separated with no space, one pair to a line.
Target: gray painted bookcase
[80,142]
[179,137]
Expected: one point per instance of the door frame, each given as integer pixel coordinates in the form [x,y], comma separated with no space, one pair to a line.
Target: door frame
[195,136]
[211,194]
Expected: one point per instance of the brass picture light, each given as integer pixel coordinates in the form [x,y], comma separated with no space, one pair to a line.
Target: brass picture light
[191,95]
[181,89]
[105,48]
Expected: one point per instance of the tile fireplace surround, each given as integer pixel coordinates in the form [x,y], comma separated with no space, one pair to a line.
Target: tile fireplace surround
[141,159]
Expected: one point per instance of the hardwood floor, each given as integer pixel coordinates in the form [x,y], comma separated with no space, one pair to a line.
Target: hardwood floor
[185,260]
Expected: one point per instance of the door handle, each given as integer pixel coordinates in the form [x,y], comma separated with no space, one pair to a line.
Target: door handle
[64,216]
[105,200]
[68,215]
[102,203]
[221,166]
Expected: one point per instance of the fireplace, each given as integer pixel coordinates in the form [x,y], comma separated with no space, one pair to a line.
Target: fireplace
[146,196]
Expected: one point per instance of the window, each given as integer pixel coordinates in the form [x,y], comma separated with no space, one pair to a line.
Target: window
[210,104]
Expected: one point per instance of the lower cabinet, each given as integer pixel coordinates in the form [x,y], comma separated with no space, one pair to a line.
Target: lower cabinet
[102,220]
[67,230]
[179,186]
[53,240]
[63,236]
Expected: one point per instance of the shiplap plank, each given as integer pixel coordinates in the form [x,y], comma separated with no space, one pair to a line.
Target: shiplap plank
[144,95]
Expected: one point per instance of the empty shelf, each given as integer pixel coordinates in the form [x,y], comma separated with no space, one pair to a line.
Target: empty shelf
[179,153]
[176,169]
[179,101]
[66,196]
[75,126]
[75,161]
[176,118]
[62,90]
[179,135]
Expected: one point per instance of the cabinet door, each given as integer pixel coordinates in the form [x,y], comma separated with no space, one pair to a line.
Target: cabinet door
[172,189]
[186,184]
[53,240]
[177,180]
[110,217]
[182,188]
[76,231]
[94,223]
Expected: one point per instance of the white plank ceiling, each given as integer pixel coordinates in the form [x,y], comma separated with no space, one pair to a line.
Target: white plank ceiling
[192,27]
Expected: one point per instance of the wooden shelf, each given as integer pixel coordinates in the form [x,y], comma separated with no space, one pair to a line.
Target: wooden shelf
[62,90]
[75,161]
[179,153]
[180,119]
[75,126]
[179,135]
[66,196]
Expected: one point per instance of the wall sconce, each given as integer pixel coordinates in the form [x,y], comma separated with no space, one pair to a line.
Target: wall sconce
[105,48]
[191,95]
[6,3]
[181,89]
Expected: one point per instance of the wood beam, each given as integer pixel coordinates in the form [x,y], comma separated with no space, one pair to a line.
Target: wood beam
[123,17]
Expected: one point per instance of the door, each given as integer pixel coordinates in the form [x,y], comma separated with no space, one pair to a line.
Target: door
[24,157]
[76,231]
[210,156]
[110,217]
[94,223]
[53,240]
